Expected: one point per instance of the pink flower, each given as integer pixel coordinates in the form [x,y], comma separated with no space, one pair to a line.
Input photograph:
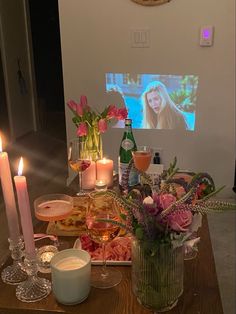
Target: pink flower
[102,125]
[83,100]
[164,200]
[180,191]
[112,112]
[122,114]
[79,110]
[72,105]
[180,220]
[82,129]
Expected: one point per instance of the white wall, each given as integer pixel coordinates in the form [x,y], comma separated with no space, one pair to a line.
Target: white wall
[95,39]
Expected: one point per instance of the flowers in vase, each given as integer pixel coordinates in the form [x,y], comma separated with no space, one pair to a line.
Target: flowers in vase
[91,124]
[88,120]
[172,212]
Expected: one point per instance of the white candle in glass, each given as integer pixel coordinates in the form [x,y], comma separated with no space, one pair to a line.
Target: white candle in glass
[105,171]
[8,195]
[25,212]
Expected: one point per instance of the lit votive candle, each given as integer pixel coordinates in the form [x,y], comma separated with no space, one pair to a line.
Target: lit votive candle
[100,185]
[105,171]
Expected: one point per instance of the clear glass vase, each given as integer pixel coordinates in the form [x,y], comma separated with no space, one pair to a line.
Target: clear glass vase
[157,279]
[93,145]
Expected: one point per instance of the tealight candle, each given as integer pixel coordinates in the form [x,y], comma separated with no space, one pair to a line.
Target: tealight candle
[8,194]
[100,185]
[105,171]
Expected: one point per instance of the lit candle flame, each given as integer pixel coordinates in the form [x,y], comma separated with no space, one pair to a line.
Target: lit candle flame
[20,167]
[0,144]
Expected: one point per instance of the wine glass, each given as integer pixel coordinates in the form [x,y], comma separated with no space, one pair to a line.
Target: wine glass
[77,160]
[142,157]
[102,207]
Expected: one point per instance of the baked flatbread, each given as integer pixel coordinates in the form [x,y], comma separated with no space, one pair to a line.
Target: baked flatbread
[73,225]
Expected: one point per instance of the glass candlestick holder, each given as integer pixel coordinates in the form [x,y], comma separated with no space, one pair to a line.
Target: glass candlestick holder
[34,288]
[14,274]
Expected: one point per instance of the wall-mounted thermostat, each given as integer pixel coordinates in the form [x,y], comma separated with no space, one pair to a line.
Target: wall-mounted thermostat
[206,35]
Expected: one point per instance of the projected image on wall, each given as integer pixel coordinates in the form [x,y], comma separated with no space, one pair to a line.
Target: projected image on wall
[157,101]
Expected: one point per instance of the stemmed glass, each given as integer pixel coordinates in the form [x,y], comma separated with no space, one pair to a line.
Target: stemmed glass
[101,209]
[142,157]
[78,161]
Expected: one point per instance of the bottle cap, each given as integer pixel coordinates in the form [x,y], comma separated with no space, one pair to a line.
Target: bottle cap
[156,159]
[128,121]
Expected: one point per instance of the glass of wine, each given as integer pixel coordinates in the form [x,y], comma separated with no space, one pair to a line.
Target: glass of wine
[78,161]
[102,208]
[142,157]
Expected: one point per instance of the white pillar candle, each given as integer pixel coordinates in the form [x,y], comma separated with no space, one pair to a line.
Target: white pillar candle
[105,171]
[89,177]
[8,195]
[25,212]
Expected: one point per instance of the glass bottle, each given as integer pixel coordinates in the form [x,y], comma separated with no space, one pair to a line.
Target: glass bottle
[125,154]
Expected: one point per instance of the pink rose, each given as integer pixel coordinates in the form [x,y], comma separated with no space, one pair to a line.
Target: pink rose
[102,125]
[82,129]
[72,105]
[180,220]
[122,114]
[79,110]
[112,112]
[164,200]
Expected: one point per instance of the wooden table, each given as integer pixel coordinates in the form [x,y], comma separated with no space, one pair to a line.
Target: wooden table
[201,292]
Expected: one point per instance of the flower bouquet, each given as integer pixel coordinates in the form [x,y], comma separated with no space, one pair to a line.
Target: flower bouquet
[161,220]
[91,124]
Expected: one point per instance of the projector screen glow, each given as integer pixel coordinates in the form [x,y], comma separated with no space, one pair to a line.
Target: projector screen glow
[157,101]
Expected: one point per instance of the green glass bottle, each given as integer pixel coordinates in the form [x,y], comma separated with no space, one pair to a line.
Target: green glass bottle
[125,155]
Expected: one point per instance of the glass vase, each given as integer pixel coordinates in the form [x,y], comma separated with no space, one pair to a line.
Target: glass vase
[93,145]
[157,278]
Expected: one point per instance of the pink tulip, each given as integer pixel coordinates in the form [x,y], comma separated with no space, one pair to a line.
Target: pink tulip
[79,110]
[83,100]
[180,220]
[102,125]
[112,112]
[122,113]
[72,105]
[82,129]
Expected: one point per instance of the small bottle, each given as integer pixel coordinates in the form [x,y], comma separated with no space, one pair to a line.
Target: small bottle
[156,158]
[125,155]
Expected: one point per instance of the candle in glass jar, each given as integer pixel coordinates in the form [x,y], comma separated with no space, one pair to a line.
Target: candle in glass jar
[105,171]
[8,195]
[25,212]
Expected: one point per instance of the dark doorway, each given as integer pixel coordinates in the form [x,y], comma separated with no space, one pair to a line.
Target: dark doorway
[45,30]
[4,118]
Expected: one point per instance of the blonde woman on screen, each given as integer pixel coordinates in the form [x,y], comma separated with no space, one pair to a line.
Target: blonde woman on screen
[160,112]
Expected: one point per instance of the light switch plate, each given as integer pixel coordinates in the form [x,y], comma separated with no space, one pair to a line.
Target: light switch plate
[140,38]
[206,35]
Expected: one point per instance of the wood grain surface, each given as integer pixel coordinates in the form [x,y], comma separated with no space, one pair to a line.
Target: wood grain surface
[201,292]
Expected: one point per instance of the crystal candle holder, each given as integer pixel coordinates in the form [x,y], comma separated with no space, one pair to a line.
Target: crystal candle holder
[33,288]
[14,274]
